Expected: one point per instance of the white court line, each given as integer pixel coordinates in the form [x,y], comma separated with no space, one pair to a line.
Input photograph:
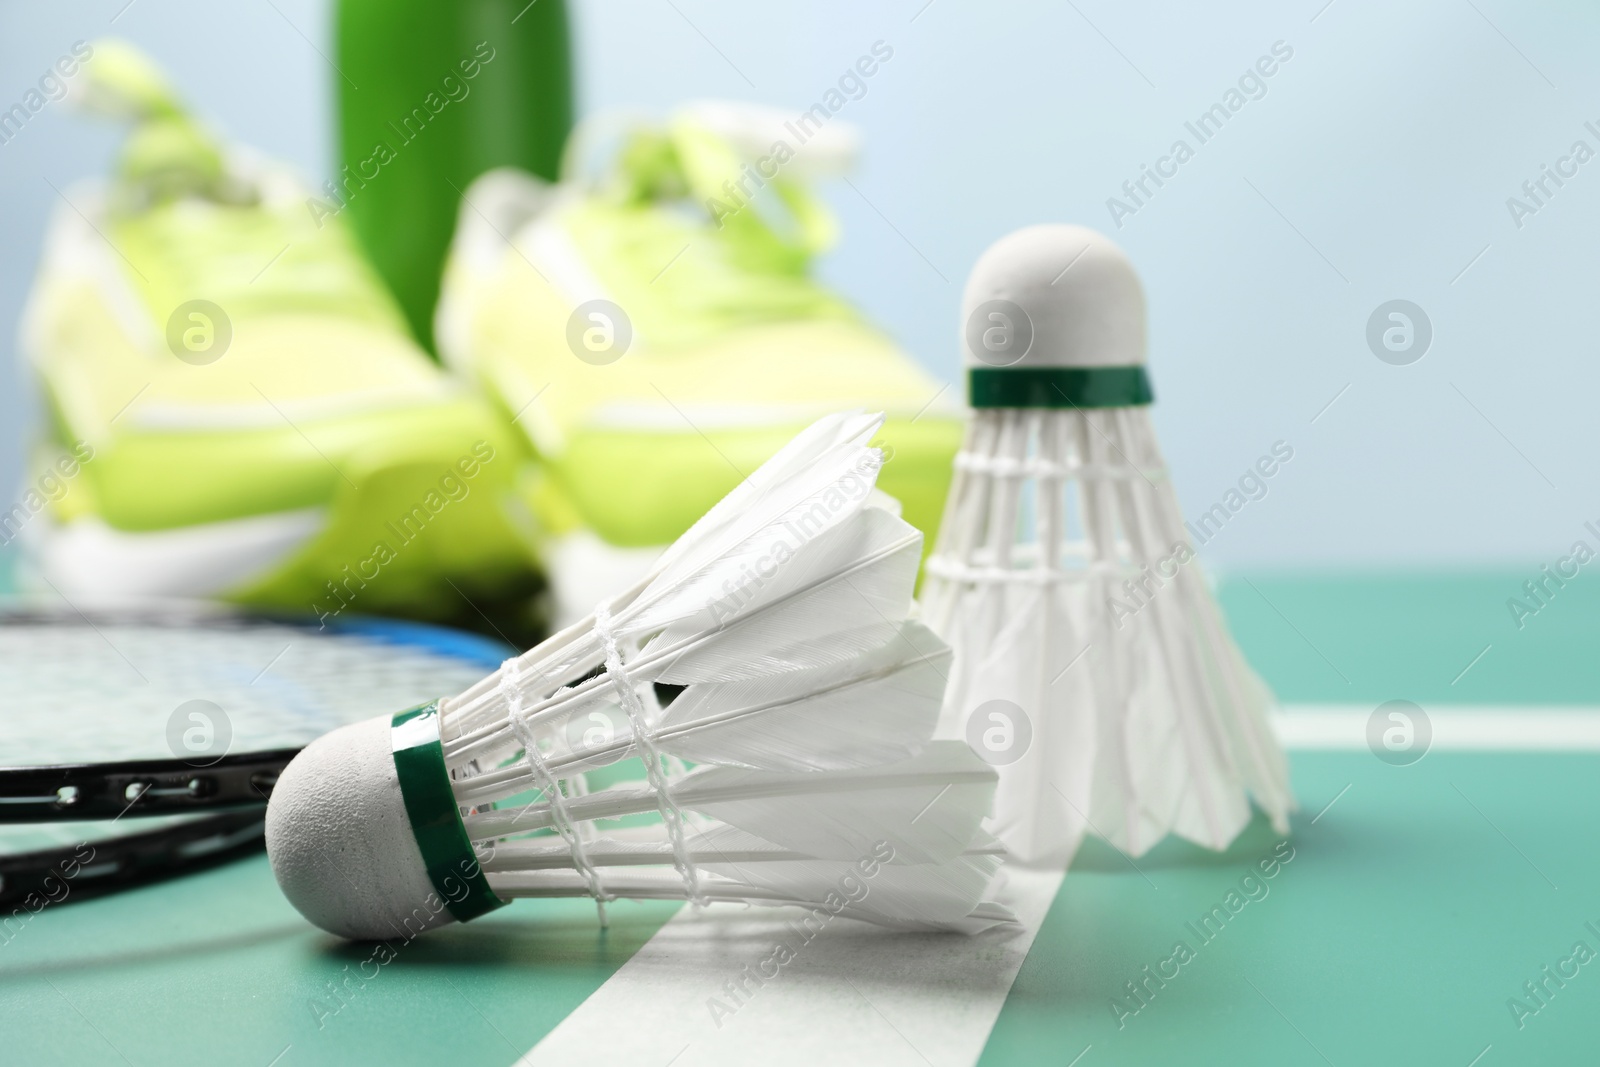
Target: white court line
[855,993]
[861,994]
[1458,728]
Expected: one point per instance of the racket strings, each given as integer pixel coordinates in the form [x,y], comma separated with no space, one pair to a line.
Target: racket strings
[117,684]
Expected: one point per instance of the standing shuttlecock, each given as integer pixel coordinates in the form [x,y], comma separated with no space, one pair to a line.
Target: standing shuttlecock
[770,647]
[1091,662]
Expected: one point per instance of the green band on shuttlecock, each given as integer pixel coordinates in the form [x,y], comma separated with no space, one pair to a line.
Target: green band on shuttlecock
[1059,387]
[435,817]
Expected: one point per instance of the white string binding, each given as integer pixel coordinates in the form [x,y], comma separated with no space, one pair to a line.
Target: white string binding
[952,569]
[1037,466]
[644,739]
[559,815]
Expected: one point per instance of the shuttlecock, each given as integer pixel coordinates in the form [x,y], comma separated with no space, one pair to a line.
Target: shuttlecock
[1091,662]
[771,646]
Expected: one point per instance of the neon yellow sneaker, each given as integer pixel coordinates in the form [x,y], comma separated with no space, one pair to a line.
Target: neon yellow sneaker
[655,333]
[235,408]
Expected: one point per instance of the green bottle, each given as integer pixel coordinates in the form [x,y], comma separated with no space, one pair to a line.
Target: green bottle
[432,93]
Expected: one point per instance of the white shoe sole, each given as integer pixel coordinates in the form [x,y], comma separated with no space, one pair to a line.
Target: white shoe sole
[86,557]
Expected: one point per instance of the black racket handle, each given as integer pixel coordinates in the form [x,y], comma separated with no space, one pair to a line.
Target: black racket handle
[82,791]
[35,880]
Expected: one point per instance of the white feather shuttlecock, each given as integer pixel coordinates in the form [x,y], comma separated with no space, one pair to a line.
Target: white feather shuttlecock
[771,647]
[1091,661]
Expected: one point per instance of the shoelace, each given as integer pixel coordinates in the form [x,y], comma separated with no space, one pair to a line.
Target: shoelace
[741,269]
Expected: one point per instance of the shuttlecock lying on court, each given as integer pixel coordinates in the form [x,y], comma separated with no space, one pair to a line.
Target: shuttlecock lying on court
[1091,662]
[770,647]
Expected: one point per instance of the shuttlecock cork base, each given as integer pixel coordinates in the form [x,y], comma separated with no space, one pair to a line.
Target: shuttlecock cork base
[772,647]
[1091,663]
[341,841]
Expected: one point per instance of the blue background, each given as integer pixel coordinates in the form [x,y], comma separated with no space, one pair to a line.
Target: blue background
[1376,167]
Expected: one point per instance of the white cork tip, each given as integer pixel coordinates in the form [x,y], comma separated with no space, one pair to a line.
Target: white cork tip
[340,841]
[1053,296]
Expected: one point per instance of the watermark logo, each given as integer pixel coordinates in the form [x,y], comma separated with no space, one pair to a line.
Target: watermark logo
[1399,332]
[1137,192]
[53,888]
[199,332]
[849,889]
[49,487]
[1539,991]
[1399,732]
[1252,887]
[1538,191]
[1251,486]
[1541,589]
[999,732]
[52,86]
[1141,590]
[199,733]
[810,517]
[453,486]
[599,332]
[594,733]
[340,992]
[999,333]
[451,89]
[754,176]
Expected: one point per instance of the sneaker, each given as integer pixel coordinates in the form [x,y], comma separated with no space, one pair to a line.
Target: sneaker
[234,406]
[655,333]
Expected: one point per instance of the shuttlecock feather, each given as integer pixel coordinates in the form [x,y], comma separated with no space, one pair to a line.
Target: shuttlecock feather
[771,648]
[1091,662]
